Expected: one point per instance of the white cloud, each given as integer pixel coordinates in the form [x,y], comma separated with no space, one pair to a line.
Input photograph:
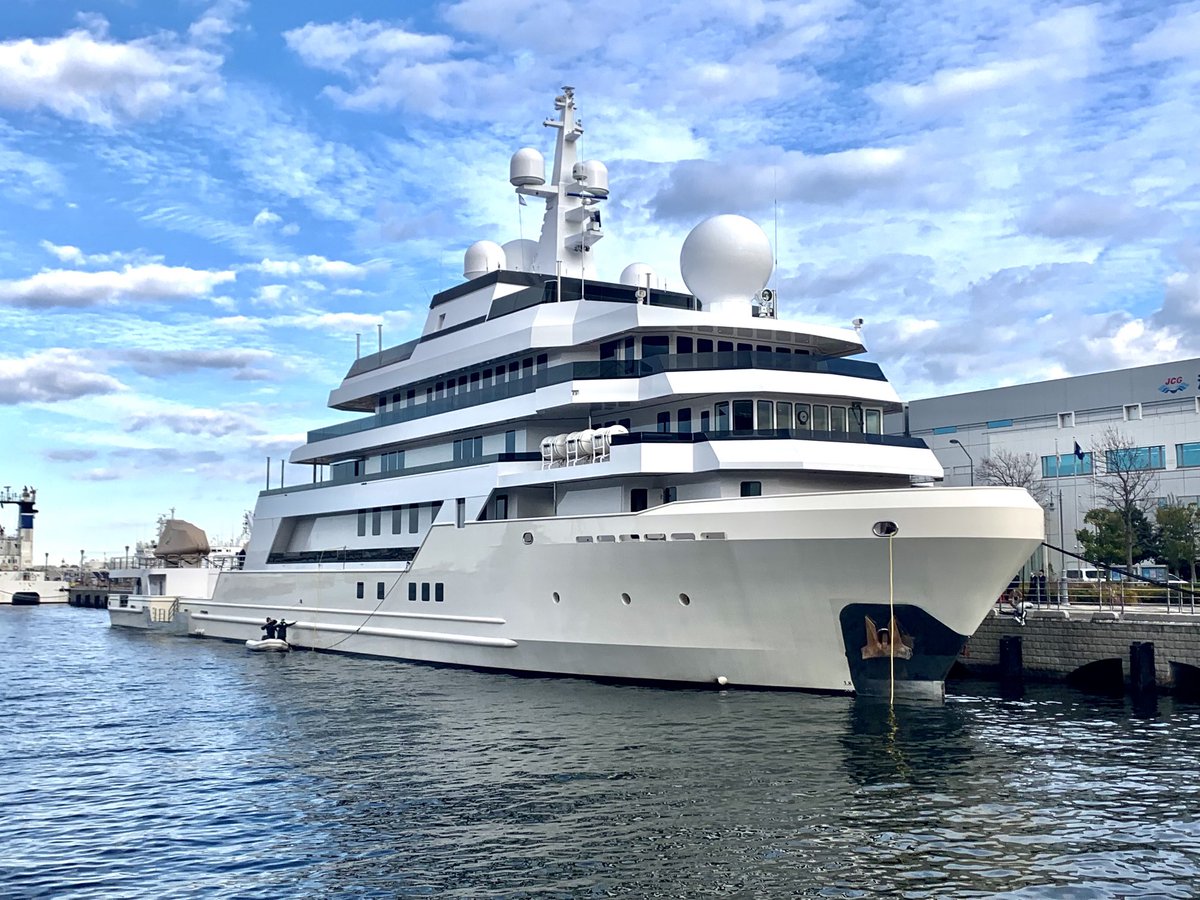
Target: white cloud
[1178,37]
[698,187]
[1062,47]
[334,47]
[69,288]
[192,421]
[87,77]
[311,265]
[52,375]
[65,253]
[266,217]
[1089,215]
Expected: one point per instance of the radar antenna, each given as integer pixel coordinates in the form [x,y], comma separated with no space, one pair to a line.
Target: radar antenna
[571,224]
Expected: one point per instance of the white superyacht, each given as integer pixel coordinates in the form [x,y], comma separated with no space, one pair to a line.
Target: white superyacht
[570,476]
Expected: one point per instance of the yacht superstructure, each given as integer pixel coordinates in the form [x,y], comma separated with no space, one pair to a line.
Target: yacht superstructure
[624,479]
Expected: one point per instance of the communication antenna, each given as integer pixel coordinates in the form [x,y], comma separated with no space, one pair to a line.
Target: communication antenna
[775,191]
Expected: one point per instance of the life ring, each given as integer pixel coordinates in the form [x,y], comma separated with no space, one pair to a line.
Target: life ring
[802,416]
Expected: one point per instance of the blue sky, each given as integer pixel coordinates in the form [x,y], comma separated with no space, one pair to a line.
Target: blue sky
[202,204]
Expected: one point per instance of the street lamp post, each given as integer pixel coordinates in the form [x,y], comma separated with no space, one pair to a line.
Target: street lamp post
[971,461]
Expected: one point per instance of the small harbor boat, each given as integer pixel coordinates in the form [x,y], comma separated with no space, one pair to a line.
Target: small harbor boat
[179,565]
[20,583]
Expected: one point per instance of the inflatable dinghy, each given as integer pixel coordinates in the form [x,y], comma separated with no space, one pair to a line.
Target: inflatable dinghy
[269,644]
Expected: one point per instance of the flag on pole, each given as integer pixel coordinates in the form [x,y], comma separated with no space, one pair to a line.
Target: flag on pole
[521,199]
[1078,452]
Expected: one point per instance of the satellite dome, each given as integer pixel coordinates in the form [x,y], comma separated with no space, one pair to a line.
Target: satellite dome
[592,176]
[636,275]
[482,257]
[526,167]
[520,255]
[725,262]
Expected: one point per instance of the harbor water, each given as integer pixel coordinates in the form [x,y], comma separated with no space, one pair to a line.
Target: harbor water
[139,765]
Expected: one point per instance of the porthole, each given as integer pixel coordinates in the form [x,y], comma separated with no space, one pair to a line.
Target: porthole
[557,599]
[885,529]
[684,600]
[625,598]
[527,537]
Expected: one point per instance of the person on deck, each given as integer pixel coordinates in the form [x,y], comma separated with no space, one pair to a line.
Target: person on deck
[269,629]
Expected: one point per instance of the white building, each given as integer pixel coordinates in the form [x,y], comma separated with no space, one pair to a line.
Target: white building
[1156,407]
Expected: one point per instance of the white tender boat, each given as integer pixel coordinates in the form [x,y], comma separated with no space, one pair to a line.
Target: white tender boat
[268,645]
[621,479]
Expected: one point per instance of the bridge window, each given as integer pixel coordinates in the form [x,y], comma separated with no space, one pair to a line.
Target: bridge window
[783,415]
[743,415]
[685,420]
[820,417]
[751,488]
[664,422]
[837,419]
[766,415]
[655,345]
[683,345]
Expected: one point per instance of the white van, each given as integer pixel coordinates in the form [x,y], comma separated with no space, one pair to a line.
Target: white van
[1086,575]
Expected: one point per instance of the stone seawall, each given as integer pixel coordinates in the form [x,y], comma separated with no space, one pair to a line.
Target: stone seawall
[1055,643]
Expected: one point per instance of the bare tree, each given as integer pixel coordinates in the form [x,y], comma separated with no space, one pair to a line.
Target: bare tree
[1010,469]
[1127,480]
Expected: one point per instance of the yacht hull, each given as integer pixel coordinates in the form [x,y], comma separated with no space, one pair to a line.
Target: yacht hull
[781,592]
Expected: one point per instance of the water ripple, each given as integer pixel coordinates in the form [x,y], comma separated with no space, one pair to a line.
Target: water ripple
[147,766]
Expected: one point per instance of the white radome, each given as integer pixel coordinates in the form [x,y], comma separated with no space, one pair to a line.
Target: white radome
[482,257]
[726,261]
[527,167]
[520,254]
[639,275]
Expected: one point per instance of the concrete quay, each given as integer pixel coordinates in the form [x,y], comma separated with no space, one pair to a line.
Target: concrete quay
[1133,648]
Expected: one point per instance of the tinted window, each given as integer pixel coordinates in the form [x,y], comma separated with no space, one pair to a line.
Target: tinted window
[743,415]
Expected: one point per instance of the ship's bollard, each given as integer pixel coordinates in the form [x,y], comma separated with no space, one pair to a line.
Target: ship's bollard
[1141,668]
[1012,664]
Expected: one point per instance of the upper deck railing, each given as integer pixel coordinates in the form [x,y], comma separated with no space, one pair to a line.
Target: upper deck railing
[592,370]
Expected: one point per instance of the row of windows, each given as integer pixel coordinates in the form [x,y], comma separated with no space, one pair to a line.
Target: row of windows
[401,516]
[464,384]
[748,415]
[439,593]
[624,348]
[767,415]
[1121,460]
[660,345]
